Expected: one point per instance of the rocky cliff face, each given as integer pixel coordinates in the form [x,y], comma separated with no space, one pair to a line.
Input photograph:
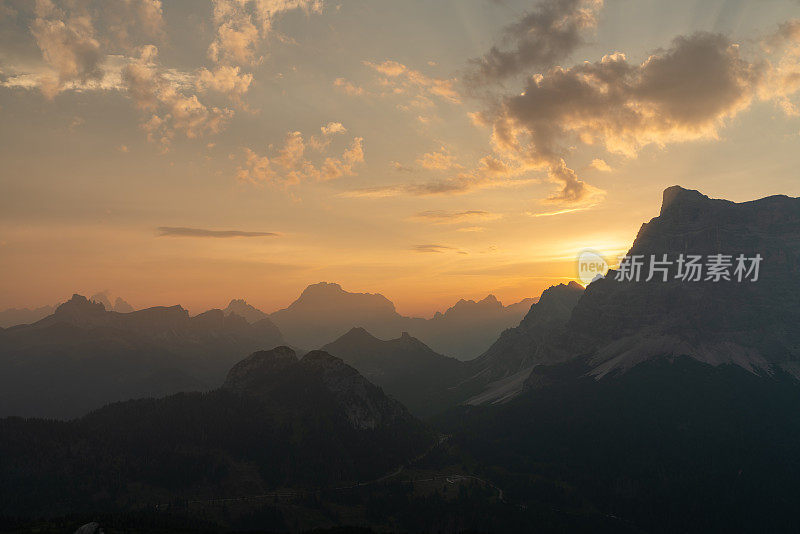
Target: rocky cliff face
[529,344]
[753,324]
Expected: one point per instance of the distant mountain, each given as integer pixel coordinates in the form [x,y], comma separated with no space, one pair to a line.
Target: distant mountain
[83,356]
[468,328]
[105,299]
[15,316]
[277,422]
[404,367]
[120,306]
[325,311]
[241,308]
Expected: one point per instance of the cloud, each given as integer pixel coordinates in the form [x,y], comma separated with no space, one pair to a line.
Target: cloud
[680,94]
[600,165]
[170,100]
[179,231]
[420,89]
[452,217]
[541,38]
[333,128]
[461,183]
[441,161]
[241,26]
[434,248]
[226,80]
[558,212]
[489,172]
[348,87]
[321,142]
[77,39]
[396,165]
[290,165]
[68,44]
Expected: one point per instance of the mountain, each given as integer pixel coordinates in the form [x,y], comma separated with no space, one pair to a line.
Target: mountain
[121,306]
[500,373]
[752,324]
[276,423]
[325,312]
[467,329]
[105,299]
[15,316]
[82,356]
[241,308]
[671,405]
[405,368]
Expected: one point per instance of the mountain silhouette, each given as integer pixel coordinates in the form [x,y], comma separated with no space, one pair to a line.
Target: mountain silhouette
[752,324]
[501,371]
[404,367]
[277,422]
[119,305]
[15,316]
[241,308]
[670,404]
[82,356]
[324,312]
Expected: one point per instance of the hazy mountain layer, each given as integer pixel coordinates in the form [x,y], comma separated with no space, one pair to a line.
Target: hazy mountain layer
[325,312]
[405,368]
[83,356]
[15,316]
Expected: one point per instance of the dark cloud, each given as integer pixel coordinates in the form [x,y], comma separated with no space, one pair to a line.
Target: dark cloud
[679,94]
[179,231]
[540,39]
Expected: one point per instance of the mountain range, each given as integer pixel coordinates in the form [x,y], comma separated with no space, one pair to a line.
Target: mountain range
[667,405]
[82,356]
[404,367]
[277,421]
[325,311]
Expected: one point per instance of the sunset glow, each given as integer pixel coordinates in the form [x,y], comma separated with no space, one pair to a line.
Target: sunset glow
[193,152]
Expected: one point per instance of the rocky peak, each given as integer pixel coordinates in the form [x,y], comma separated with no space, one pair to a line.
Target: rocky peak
[241,308]
[555,305]
[79,303]
[676,198]
[750,324]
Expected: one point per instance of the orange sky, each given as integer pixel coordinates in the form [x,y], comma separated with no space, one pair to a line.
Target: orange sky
[381,145]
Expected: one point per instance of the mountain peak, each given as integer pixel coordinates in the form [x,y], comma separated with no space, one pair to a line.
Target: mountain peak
[679,196]
[322,288]
[80,304]
[358,334]
[241,308]
[253,370]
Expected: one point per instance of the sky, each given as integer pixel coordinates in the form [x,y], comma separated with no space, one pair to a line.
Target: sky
[190,152]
